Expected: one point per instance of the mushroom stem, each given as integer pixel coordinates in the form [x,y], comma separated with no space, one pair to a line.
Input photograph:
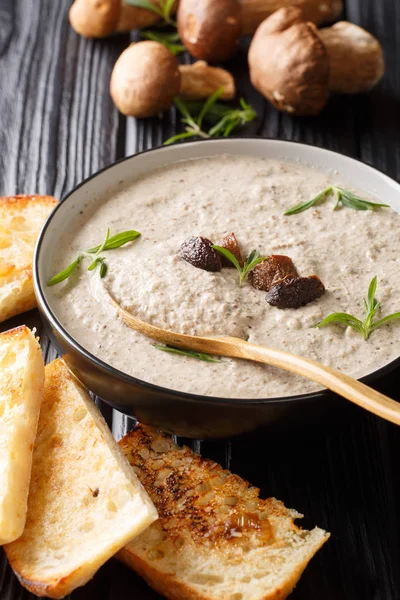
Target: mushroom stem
[132,17]
[356,58]
[200,81]
[316,11]
[138,18]
[146,78]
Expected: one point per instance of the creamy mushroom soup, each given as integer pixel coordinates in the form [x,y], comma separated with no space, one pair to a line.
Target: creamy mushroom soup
[345,248]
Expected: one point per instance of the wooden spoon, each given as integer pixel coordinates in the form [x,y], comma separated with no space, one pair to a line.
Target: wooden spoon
[338,382]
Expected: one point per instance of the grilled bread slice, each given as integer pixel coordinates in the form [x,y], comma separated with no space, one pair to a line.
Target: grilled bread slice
[21,218]
[85,501]
[21,392]
[215,539]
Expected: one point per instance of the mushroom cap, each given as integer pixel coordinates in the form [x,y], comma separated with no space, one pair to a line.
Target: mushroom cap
[356,58]
[95,18]
[321,11]
[145,79]
[210,29]
[316,11]
[289,64]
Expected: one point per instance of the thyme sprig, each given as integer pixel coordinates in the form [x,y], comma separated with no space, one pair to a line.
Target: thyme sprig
[191,353]
[229,118]
[366,327]
[250,263]
[343,197]
[95,255]
[163,9]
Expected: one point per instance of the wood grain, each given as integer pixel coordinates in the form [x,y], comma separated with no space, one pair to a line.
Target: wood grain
[58,125]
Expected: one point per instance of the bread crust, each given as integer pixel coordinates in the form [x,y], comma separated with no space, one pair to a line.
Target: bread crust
[21,218]
[146,448]
[84,501]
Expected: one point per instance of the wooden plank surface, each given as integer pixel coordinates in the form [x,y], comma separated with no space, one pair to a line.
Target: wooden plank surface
[58,125]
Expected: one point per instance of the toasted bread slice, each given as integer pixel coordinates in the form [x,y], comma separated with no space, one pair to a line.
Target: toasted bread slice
[21,218]
[215,539]
[85,502]
[21,392]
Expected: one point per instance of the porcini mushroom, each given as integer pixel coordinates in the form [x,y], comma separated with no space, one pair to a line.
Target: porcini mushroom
[356,58]
[100,18]
[147,77]
[200,81]
[316,11]
[210,29]
[289,64]
[95,18]
[305,63]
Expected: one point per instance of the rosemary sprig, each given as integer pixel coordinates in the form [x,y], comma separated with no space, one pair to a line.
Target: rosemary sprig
[191,353]
[250,263]
[163,9]
[229,118]
[169,40]
[343,197]
[366,327]
[95,255]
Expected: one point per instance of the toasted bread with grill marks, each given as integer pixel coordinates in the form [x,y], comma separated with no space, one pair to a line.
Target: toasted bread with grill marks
[85,502]
[215,538]
[21,392]
[21,219]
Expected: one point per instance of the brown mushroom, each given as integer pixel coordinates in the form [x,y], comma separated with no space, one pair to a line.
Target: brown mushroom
[100,18]
[200,81]
[146,78]
[210,29]
[95,18]
[316,11]
[304,63]
[356,58]
[289,64]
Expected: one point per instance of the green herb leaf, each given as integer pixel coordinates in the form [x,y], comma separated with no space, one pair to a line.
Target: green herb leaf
[169,40]
[344,319]
[191,353]
[208,104]
[97,257]
[116,241]
[343,197]
[228,255]
[223,118]
[366,327]
[179,136]
[65,273]
[103,270]
[251,262]
[352,201]
[310,203]
[163,9]
[146,4]
[392,317]
[109,243]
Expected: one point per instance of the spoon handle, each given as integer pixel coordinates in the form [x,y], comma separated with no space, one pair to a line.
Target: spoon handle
[335,380]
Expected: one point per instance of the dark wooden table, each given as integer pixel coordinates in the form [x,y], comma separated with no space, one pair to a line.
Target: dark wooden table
[58,125]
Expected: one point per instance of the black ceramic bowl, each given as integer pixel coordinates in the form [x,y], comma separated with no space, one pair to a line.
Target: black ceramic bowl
[177,412]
